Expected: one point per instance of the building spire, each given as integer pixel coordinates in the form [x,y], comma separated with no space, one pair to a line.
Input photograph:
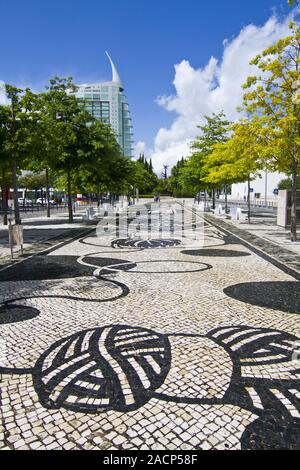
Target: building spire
[115,75]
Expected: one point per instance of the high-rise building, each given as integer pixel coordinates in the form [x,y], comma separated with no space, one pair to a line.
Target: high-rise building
[107,102]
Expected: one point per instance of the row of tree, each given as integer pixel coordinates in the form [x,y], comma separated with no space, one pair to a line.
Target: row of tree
[52,135]
[267,137]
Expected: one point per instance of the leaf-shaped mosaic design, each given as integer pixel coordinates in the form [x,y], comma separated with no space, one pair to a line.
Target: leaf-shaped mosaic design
[151,243]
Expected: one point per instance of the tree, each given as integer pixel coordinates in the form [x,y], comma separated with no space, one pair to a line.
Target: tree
[45,148]
[163,187]
[5,167]
[214,131]
[239,159]
[175,174]
[18,143]
[104,168]
[287,184]
[274,98]
[33,181]
[151,166]
[147,165]
[293,2]
[64,123]
[142,178]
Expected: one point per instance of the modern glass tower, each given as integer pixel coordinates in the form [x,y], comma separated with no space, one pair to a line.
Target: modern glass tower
[107,102]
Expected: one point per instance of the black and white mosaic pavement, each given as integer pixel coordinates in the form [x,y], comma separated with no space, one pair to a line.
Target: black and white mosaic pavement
[137,343]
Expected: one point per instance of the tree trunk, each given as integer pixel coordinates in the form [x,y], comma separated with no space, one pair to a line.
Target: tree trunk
[47,193]
[214,198]
[15,188]
[14,162]
[249,202]
[226,200]
[5,208]
[294,203]
[5,190]
[70,206]
[294,168]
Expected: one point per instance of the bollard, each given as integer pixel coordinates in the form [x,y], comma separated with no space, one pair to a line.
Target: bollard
[15,237]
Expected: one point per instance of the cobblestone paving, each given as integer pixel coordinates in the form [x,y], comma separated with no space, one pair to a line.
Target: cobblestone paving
[41,233]
[285,252]
[160,342]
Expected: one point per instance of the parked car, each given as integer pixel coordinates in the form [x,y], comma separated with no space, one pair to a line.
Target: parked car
[24,201]
[43,202]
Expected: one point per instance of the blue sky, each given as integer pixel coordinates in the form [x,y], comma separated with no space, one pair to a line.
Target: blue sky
[40,39]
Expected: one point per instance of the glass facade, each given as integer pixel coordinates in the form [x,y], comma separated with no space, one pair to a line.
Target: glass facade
[107,102]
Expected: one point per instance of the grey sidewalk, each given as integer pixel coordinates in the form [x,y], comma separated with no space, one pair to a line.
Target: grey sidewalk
[41,232]
[266,236]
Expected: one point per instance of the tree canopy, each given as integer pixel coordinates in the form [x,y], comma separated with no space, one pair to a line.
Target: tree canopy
[52,133]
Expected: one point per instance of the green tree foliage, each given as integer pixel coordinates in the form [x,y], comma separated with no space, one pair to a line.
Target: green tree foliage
[288,184]
[232,161]
[175,175]
[64,130]
[52,134]
[32,181]
[164,187]
[17,126]
[142,176]
[177,184]
[273,99]
[104,168]
[193,173]
[5,167]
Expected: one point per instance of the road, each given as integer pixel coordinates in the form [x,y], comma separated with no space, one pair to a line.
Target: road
[155,331]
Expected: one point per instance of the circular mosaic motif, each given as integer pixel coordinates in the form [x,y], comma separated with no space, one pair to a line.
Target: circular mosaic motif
[117,367]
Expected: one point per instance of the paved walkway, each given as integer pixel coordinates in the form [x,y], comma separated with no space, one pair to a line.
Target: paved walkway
[277,249]
[156,331]
[264,225]
[41,233]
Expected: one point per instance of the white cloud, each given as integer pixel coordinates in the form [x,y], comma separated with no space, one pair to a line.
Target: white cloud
[3,99]
[141,147]
[213,88]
